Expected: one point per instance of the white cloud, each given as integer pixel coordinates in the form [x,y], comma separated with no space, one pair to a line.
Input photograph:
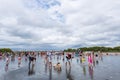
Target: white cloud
[59,24]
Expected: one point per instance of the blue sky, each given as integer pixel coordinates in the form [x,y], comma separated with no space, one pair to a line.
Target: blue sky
[59,24]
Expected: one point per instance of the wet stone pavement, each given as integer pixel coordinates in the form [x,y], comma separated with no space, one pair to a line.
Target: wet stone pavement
[107,69]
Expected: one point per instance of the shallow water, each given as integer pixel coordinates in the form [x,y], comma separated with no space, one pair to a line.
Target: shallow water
[107,69]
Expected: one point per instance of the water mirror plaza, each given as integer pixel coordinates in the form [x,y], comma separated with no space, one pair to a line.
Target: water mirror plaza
[103,67]
[59,39]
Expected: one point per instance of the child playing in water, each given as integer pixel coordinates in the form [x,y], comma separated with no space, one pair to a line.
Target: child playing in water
[57,66]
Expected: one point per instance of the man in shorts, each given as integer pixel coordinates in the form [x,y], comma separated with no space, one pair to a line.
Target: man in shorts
[68,57]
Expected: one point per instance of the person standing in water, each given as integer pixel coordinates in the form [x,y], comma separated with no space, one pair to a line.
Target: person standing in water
[50,59]
[96,59]
[31,61]
[90,59]
[68,57]
[26,55]
[77,56]
[19,60]
[31,58]
[63,58]
[7,61]
[0,55]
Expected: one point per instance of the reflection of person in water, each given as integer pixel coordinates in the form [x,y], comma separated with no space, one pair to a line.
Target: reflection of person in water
[46,67]
[7,63]
[50,73]
[68,74]
[6,68]
[84,70]
[31,70]
[91,71]
[77,56]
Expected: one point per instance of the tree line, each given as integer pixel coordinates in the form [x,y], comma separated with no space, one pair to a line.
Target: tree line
[4,50]
[95,48]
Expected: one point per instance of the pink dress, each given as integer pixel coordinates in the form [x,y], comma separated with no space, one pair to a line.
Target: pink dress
[90,59]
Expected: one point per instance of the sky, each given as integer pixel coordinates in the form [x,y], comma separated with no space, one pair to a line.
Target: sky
[59,24]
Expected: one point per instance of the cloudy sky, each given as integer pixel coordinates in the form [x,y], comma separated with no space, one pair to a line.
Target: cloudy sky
[59,24]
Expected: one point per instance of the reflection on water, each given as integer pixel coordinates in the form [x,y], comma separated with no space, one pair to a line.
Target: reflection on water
[46,66]
[91,72]
[31,70]
[100,70]
[68,73]
[6,68]
[84,70]
[50,73]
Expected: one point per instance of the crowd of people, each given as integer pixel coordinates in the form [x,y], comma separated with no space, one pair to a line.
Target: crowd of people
[89,59]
